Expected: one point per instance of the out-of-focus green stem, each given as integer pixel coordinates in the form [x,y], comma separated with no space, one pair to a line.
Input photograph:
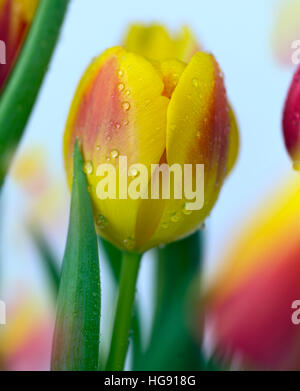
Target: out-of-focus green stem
[48,259]
[22,88]
[119,343]
[172,346]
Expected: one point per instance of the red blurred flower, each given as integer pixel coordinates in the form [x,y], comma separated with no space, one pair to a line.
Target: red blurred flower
[291,120]
[249,313]
[15,19]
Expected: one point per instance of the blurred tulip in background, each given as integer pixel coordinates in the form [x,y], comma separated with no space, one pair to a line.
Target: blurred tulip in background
[15,19]
[249,304]
[291,120]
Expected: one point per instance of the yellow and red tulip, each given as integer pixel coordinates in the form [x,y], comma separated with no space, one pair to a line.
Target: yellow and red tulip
[291,120]
[249,306]
[151,111]
[15,19]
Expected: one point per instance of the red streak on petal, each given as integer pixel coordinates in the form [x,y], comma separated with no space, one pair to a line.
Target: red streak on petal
[100,111]
[220,139]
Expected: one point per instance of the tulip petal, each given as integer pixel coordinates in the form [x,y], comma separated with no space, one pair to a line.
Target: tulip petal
[291,120]
[234,141]
[118,110]
[155,42]
[197,133]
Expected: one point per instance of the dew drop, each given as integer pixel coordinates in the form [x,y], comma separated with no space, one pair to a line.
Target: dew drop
[129,243]
[88,167]
[125,106]
[114,154]
[117,125]
[98,147]
[186,211]
[121,86]
[125,122]
[195,82]
[175,217]
[133,172]
[120,72]
[165,225]
[102,222]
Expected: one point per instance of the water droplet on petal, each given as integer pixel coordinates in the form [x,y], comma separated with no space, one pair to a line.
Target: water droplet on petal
[120,72]
[114,154]
[121,86]
[165,225]
[117,125]
[102,222]
[195,82]
[186,211]
[125,106]
[175,217]
[133,172]
[125,122]
[88,167]
[129,243]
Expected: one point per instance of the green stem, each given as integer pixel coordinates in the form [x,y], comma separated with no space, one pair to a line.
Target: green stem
[122,323]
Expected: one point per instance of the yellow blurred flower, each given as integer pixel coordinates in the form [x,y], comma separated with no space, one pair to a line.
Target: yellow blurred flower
[286,32]
[26,339]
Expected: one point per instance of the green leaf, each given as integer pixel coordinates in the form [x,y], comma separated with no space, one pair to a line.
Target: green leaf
[172,346]
[22,88]
[76,336]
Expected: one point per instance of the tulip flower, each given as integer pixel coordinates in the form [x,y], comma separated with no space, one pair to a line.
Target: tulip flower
[150,112]
[15,19]
[26,339]
[291,120]
[251,304]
